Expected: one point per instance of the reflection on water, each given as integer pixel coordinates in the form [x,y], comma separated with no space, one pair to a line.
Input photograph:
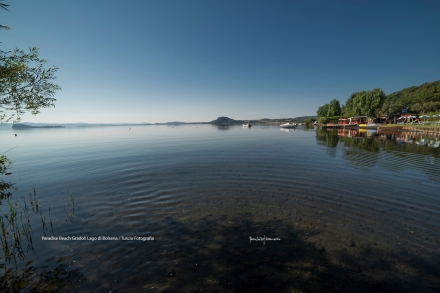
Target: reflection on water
[355,210]
[394,151]
[223,127]
[287,130]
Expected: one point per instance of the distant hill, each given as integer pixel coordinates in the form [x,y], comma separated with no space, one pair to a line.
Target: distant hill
[224,121]
[422,98]
[25,126]
[302,118]
[229,121]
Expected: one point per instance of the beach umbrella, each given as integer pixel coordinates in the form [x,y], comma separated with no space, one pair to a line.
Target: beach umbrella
[425,116]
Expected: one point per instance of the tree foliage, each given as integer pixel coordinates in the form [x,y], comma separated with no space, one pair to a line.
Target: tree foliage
[322,120]
[5,7]
[328,110]
[25,84]
[425,107]
[423,98]
[343,110]
[322,111]
[417,99]
[365,103]
[308,122]
[334,108]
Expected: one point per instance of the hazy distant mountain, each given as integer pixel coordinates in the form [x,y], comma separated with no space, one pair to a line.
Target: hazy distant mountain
[25,126]
[224,120]
[229,121]
[33,123]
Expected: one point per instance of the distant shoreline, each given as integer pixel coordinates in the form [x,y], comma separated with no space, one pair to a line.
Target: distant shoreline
[25,126]
[219,121]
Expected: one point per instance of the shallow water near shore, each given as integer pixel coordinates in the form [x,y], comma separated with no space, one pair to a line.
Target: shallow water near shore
[353,211]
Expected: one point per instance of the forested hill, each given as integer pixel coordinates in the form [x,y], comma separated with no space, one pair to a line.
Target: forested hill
[423,98]
[420,99]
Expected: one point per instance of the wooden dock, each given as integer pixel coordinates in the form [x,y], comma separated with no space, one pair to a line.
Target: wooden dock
[333,125]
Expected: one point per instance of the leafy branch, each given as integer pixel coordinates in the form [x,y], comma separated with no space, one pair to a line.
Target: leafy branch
[25,84]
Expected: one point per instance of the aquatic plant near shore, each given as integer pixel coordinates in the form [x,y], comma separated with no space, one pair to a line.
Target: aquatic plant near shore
[15,232]
[5,187]
[16,229]
[70,209]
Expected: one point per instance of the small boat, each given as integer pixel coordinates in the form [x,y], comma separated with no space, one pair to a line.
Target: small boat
[288,125]
[368,125]
[247,125]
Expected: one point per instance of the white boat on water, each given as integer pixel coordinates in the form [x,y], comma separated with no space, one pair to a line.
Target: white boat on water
[247,125]
[288,125]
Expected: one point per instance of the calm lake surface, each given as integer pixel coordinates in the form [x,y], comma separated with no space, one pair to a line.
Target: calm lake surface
[347,212]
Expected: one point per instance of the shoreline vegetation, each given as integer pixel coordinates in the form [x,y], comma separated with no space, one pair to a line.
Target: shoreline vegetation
[415,101]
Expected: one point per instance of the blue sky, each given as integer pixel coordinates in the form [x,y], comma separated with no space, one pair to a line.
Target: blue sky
[159,61]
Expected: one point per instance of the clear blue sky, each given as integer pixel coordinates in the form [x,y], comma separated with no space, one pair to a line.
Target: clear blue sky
[159,61]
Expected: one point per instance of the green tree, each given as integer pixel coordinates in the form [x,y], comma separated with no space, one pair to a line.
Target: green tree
[365,103]
[322,120]
[308,122]
[5,7]
[343,110]
[414,98]
[322,111]
[334,108]
[351,106]
[25,84]
[389,107]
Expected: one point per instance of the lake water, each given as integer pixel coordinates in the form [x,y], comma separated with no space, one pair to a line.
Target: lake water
[348,211]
